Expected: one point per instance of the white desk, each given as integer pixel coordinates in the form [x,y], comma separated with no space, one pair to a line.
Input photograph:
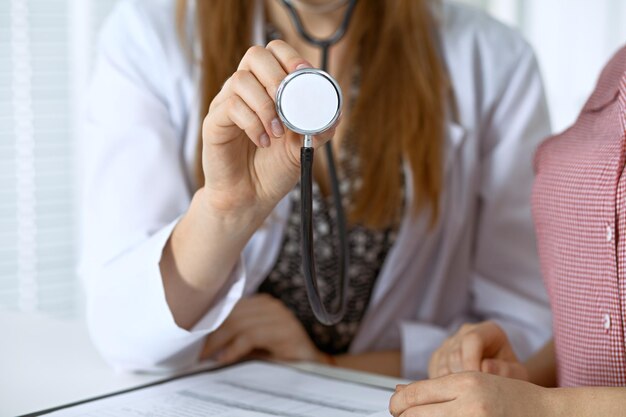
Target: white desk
[45,363]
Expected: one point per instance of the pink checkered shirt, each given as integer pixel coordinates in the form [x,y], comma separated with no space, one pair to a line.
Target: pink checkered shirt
[579,199]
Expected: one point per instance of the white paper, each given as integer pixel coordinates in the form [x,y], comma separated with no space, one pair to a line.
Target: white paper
[253,389]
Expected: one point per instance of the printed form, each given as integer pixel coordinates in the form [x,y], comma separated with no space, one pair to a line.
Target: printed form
[251,389]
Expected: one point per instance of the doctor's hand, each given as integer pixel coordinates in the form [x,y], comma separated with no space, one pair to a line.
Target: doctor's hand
[261,324]
[471,394]
[250,160]
[477,347]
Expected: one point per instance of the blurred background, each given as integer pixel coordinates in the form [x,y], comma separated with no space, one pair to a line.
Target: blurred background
[46,51]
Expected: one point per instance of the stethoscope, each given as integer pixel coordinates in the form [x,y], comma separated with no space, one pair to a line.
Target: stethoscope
[309,102]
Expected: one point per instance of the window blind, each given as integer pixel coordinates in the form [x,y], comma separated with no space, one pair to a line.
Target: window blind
[46,51]
[38,208]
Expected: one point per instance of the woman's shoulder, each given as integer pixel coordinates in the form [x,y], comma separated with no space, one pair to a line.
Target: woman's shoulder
[479,50]
[142,19]
[602,120]
[463,25]
[485,59]
[141,39]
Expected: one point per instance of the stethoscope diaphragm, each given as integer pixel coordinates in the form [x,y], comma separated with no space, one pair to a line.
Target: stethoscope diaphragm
[309,101]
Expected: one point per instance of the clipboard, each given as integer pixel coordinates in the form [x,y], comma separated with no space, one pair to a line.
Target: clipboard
[248,389]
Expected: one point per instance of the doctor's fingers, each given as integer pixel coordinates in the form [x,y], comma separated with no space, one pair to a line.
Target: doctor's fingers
[455,357]
[230,330]
[472,350]
[234,115]
[433,364]
[287,56]
[465,353]
[438,365]
[459,356]
[244,343]
[486,340]
[271,65]
[514,370]
[246,86]
[462,352]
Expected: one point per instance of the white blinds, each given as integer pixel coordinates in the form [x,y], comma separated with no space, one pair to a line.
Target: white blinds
[37,152]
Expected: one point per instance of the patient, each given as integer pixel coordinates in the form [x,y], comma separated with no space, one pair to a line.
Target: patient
[580,218]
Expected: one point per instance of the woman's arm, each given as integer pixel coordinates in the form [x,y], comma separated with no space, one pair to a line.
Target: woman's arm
[586,402]
[193,253]
[483,395]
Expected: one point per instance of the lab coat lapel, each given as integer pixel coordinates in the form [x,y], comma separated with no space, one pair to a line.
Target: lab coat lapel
[403,250]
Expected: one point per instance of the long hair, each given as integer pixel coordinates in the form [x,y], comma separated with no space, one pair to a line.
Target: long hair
[398,116]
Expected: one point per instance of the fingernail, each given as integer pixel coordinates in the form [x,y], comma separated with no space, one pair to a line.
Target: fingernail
[304,65]
[277,128]
[264,140]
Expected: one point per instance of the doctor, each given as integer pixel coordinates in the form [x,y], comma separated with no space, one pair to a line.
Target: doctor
[191,220]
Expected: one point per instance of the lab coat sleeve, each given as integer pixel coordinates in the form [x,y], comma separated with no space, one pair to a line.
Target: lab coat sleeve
[505,283]
[134,191]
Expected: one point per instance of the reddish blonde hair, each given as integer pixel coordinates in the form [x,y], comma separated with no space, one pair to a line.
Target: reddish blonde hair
[401,119]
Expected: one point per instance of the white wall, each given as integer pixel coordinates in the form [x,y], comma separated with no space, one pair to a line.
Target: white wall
[573,40]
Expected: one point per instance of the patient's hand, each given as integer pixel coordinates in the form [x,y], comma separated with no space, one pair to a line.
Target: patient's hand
[261,323]
[477,347]
[474,394]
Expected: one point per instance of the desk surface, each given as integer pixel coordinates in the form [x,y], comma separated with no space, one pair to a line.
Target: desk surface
[46,363]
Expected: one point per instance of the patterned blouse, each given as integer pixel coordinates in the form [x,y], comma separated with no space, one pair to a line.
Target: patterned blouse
[579,206]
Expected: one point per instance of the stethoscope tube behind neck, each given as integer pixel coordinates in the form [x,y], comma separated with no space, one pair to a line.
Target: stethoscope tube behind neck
[323,44]
[307,154]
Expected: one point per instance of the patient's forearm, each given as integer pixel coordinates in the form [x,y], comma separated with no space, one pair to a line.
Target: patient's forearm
[386,363]
[588,402]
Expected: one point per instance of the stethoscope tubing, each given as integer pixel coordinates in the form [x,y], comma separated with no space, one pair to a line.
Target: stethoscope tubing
[307,156]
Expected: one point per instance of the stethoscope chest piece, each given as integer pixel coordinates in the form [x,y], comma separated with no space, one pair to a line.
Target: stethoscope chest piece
[309,101]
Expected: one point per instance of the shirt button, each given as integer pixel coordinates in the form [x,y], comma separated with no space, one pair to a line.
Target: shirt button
[609,233]
[606,322]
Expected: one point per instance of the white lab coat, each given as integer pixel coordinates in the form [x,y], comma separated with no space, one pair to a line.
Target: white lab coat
[478,262]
